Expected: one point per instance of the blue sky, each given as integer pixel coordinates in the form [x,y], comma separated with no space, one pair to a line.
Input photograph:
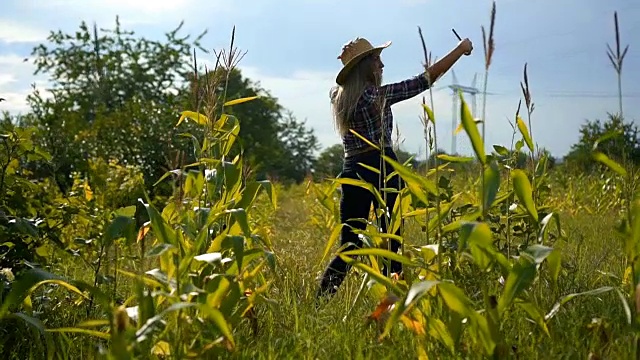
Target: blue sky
[292,48]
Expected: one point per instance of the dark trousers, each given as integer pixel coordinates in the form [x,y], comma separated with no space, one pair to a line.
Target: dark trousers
[355,203]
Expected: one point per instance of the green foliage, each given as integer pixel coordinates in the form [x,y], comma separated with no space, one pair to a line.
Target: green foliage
[109,86]
[24,225]
[615,138]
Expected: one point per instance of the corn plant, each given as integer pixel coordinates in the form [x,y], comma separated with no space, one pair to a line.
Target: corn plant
[203,265]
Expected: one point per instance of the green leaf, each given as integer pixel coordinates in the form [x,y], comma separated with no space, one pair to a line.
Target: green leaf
[455,159]
[604,159]
[29,282]
[365,139]
[379,252]
[409,175]
[525,132]
[491,184]
[376,275]
[455,299]
[365,185]
[538,252]
[160,227]
[219,321]
[478,237]
[501,150]
[520,278]
[567,298]
[554,261]
[35,322]
[333,238]
[471,128]
[94,333]
[536,315]
[523,190]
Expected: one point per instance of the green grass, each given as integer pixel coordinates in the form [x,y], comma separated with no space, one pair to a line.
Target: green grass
[291,327]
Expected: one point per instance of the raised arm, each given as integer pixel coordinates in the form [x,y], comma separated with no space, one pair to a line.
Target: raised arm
[406,89]
[440,67]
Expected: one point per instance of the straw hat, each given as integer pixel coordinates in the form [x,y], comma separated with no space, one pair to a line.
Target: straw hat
[353,52]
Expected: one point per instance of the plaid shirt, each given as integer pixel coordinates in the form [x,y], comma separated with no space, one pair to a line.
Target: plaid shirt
[367,120]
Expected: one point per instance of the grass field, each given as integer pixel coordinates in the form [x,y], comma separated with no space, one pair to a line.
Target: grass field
[290,326]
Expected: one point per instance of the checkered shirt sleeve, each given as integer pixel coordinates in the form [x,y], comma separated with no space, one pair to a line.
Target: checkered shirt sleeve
[367,117]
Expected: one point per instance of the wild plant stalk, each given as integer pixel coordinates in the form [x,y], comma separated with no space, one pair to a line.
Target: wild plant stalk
[489,47]
[399,196]
[382,179]
[513,137]
[617,58]
[526,92]
[427,64]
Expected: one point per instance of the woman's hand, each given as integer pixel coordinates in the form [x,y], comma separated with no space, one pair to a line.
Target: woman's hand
[466,46]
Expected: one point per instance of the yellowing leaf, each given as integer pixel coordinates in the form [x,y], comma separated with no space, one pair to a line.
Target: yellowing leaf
[429,112]
[382,309]
[161,348]
[88,193]
[192,115]
[240,101]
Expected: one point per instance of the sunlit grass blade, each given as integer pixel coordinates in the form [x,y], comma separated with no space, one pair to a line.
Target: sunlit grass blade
[333,238]
[376,275]
[379,252]
[565,299]
[365,140]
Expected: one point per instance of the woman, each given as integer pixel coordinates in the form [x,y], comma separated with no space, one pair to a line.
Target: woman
[360,103]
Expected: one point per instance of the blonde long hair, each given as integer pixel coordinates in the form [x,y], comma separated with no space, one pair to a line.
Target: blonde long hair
[344,98]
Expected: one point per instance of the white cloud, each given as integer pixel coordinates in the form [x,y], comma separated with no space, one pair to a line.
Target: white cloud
[12,31]
[138,11]
[16,82]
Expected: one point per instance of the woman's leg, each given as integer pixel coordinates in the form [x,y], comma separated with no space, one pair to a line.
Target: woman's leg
[355,205]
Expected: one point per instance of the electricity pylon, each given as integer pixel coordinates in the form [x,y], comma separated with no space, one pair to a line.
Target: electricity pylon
[455,88]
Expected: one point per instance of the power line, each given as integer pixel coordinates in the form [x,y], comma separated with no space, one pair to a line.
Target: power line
[557,93]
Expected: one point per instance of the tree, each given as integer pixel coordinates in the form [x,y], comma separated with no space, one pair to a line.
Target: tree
[274,142]
[114,97]
[298,145]
[329,162]
[617,139]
